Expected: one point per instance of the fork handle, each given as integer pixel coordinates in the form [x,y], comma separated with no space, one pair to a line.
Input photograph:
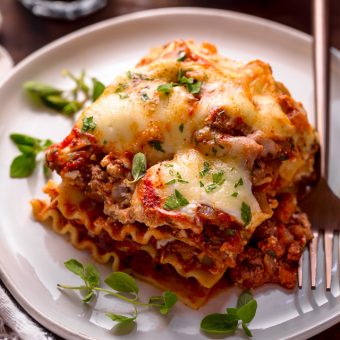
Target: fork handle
[321,79]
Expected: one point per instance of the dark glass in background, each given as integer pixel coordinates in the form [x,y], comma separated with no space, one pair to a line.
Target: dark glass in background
[63,9]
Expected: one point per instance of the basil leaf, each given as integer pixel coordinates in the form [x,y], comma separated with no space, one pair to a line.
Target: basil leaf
[71,107]
[88,124]
[244,298]
[91,275]
[247,312]
[138,166]
[245,213]
[246,330]
[122,282]
[156,144]
[75,267]
[22,166]
[27,149]
[55,101]
[181,56]
[170,300]
[165,88]
[40,89]
[175,201]
[120,318]
[219,323]
[88,297]
[98,89]
[18,138]
[232,311]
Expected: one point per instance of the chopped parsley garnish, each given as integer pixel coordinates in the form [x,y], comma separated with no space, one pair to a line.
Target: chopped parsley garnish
[238,183]
[181,56]
[234,194]
[206,169]
[181,128]
[201,184]
[98,89]
[210,187]
[157,145]
[245,213]
[120,87]
[88,124]
[165,88]
[193,85]
[214,150]
[145,96]
[218,177]
[175,201]
[178,178]
[123,95]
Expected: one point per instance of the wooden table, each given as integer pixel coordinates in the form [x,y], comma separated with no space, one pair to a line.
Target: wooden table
[24,33]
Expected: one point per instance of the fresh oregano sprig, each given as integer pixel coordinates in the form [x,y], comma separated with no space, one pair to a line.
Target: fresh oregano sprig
[120,283]
[228,323]
[66,101]
[24,164]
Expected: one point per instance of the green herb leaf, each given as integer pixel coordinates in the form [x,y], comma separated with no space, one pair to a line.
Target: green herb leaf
[71,107]
[181,56]
[75,267]
[165,88]
[181,128]
[219,323]
[138,166]
[246,330]
[201,184]
[40,89]
[123,96]
[91,275]
[88,124]
[120,318]
[173,181]
[218,177]
[165,302]
[88,297]
[244,298]
[245,213]
[194,88]
[18,138]
[23,166]
[170,300]
[122,282]
[175,201]
[206,169]
[27,149]
[247,312]
[98,89]
[238,183]
[157,145]
[211,187]
[121,87]
[55,101]
[234,194]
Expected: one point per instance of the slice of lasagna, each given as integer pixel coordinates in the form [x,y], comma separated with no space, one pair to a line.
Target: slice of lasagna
[226,149]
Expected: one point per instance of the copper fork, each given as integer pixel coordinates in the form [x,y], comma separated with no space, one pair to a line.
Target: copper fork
[322,206]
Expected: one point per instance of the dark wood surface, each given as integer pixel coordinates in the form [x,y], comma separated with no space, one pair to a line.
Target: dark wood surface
[23,33]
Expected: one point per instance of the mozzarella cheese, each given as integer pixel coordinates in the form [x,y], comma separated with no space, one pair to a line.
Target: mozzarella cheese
[224,185]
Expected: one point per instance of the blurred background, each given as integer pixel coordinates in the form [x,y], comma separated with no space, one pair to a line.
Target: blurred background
[22,32]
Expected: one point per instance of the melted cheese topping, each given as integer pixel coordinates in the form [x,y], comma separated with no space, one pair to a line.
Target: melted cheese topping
[230,189]
[132,113]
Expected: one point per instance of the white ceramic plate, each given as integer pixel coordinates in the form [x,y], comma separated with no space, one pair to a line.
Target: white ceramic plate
[31,261]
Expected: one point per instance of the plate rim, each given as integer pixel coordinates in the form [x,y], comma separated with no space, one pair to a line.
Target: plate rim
[38,316]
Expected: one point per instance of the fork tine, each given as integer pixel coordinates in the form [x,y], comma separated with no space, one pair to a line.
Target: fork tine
[313,252]
[328,241]
[300,271]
